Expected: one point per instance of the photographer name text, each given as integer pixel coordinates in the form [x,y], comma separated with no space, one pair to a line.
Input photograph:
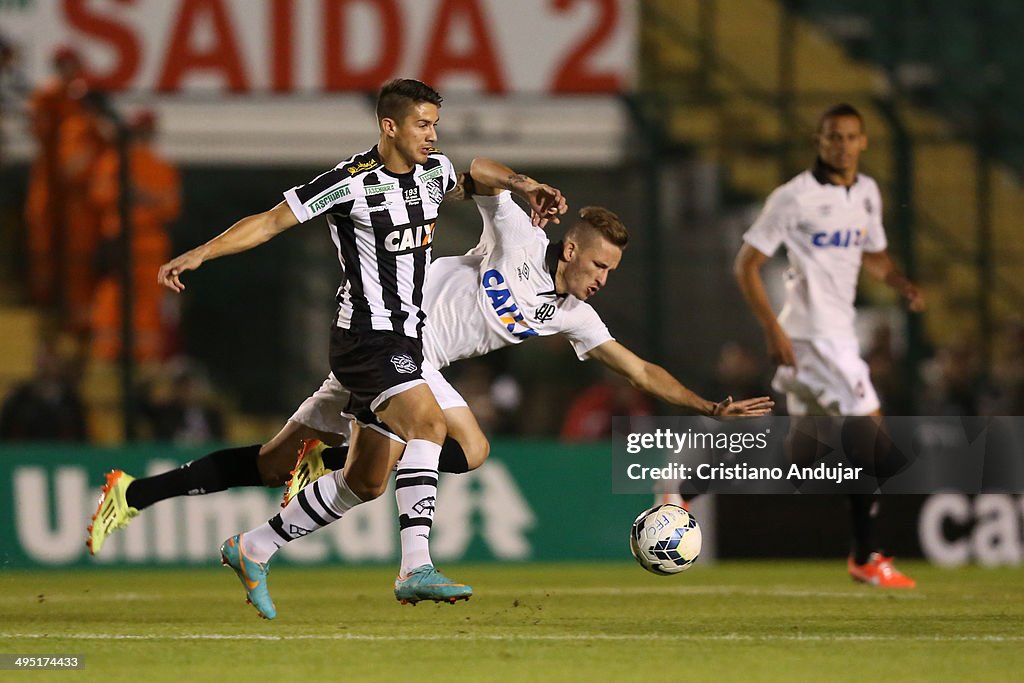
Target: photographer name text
[743,472]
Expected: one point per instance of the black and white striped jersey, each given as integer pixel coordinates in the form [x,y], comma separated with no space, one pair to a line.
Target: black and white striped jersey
[382,224]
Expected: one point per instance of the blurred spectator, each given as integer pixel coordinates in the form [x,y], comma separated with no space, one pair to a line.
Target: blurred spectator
[178,407]
[884,366]
[9,77]
[507,396]
[590,414]
[739,373]
[155,201]
[551,377]
[952,381]
[85,136]
[12,87]
[49,107]
[1007,391]
[47,407]
[493,400]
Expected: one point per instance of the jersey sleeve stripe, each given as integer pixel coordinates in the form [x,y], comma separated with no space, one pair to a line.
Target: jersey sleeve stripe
[295,204]
[324,192]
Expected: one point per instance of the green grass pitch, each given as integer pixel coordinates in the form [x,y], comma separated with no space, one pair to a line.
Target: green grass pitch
[742,621]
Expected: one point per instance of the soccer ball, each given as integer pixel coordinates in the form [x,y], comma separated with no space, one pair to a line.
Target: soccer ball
[665,539]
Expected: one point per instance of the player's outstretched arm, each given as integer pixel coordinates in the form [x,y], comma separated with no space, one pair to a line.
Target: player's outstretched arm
[546,202]
[658,382]
[879,265]
[747,270]
[247,233]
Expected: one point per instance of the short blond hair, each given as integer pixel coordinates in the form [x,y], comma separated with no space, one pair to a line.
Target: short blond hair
[600,221]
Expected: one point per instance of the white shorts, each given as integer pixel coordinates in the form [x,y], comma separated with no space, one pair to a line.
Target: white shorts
[323,411]
[830,379]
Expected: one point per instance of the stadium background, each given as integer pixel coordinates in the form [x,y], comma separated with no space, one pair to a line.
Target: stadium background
[681,116]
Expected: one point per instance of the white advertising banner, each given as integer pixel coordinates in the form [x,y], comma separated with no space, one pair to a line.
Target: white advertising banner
[211,47]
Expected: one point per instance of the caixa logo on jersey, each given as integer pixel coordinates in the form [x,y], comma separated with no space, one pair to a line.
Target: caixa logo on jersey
[839,238]
[503,304]
[409,238]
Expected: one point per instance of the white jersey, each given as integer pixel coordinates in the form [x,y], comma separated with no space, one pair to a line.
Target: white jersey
[826,228]
[502,292]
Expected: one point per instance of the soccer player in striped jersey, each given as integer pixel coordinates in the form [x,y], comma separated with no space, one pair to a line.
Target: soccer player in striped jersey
[830,220]
[381,206]
[515,285]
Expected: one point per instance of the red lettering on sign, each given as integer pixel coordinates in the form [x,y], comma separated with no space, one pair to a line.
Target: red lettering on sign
[221,56]
[282,55]
[119,37]
[574,75]
[443,58]
[338,74]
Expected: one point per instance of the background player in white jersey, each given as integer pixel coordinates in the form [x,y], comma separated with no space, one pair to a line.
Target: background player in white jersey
[830,220]
[381,206]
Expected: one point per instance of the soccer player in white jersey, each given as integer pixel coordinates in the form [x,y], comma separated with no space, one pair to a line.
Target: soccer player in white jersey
[830,220]
[381,207]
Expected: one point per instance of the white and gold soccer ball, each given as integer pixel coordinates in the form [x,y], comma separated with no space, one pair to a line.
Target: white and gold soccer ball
[665,539]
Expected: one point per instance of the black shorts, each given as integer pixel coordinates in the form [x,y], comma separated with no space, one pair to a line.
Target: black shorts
[374,366]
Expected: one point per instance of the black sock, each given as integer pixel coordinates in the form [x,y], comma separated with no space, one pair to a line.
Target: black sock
[863,508]
[334,457]
[217,471]
[453,458]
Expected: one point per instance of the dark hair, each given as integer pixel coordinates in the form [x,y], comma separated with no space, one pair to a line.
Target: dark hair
[839,110]
[397,96]
[604,223]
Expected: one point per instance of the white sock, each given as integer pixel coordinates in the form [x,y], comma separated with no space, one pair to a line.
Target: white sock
[322,502]
[416,493]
